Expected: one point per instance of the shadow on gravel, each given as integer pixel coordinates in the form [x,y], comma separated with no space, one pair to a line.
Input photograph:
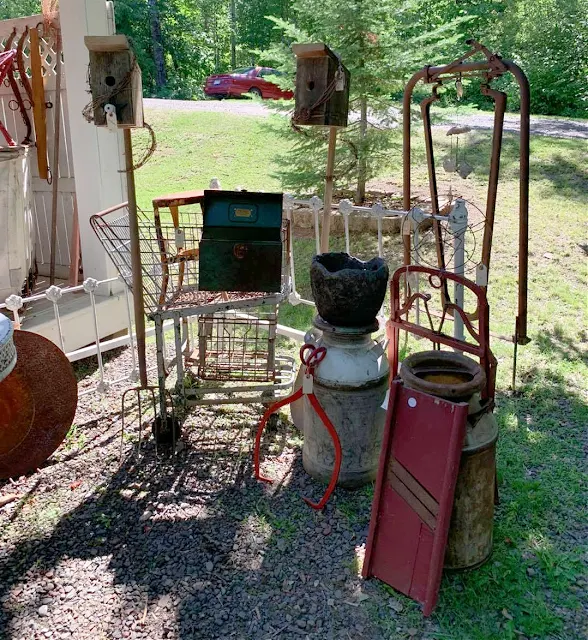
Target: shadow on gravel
[198,549]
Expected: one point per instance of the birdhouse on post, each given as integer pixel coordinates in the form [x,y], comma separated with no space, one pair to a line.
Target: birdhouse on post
[115,83]
[322,87]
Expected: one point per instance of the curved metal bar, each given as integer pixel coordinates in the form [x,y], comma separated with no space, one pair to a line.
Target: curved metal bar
[523,82]
[16,91]
[499,98]
[21,66]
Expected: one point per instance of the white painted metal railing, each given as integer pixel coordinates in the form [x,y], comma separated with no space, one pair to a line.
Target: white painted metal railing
[91,287]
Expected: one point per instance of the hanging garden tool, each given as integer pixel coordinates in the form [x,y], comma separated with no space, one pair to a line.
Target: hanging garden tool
[311,357]
[17,104]
[22,71]
[489,69]
[6,59]
[39,104]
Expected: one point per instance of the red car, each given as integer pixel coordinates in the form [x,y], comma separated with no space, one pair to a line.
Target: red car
[248,80]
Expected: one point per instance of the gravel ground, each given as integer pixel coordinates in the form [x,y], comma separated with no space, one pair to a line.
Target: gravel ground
[552,127]
[104,547]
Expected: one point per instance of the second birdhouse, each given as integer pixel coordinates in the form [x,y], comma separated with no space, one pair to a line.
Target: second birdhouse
[115,79]
[322,87]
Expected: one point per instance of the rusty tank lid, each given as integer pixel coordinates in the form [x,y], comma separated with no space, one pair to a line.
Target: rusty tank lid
[444,374]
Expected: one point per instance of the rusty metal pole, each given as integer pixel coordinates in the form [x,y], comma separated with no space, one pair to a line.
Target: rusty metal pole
[499,108]
[521,321]
[406,101]
[328,199]
[139,308]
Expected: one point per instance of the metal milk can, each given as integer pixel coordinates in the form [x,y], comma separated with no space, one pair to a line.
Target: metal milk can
[458,378]
[351,385]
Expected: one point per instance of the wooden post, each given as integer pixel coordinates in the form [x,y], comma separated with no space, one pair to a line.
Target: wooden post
[138,305]
[74,251]
[55,168]
[38,104]
[328,199]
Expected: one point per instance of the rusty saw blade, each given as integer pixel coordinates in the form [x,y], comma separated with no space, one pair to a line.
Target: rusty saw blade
[48,376]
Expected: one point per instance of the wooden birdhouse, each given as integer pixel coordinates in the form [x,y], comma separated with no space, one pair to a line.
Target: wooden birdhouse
[322,87]
[115,79]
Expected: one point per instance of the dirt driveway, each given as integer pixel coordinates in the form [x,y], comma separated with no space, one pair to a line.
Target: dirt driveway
[553,127]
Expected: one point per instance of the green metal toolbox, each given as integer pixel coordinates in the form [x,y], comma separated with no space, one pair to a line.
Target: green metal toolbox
[241,246]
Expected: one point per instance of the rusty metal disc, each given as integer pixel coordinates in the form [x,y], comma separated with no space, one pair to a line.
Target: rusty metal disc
[49,378]
[17,412]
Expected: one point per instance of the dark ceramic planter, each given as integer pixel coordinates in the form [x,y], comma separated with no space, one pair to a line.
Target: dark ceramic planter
[348,292]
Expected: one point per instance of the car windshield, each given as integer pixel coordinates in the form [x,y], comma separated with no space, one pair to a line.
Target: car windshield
[242,72]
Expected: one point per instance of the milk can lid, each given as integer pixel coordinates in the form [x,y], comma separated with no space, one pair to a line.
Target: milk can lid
[7,348]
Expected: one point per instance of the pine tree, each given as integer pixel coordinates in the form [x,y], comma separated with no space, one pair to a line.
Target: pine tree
[374,42]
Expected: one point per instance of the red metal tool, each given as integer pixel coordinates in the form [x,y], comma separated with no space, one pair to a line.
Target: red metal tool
[20,105]
[6,60]
[314,357]
[413,500]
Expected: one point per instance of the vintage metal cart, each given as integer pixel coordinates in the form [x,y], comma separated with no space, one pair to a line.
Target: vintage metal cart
[225,349]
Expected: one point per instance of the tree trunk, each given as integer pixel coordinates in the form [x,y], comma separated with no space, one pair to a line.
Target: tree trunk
[233,18]
[362,159]
[157,43]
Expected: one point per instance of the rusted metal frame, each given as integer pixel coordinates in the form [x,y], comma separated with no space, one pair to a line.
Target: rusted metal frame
[426,117]
[16,91]
[520,336]
[396,323]
[499,98]
[494,67]
[24,79]
[450,309]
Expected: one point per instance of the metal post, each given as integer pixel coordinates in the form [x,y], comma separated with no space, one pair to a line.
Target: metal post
[135,259]
[458,223]
[159,341]
[179,357]
[521,321]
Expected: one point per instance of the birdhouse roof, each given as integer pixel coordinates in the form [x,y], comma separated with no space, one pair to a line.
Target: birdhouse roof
[313,50]
[118,42]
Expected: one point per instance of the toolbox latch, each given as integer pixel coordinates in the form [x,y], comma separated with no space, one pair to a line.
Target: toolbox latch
[240,251]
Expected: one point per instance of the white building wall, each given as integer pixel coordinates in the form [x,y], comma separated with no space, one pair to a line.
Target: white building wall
[98,155]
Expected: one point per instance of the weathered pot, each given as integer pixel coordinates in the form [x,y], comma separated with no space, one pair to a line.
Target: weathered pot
[348,292]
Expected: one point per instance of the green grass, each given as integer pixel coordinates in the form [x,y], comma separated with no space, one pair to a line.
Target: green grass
[194,147]
[530,585]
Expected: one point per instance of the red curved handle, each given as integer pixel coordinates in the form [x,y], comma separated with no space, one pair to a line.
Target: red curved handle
[316,355]
[330,428]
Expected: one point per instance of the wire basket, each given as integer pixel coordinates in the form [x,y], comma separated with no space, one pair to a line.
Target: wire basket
[169,254]
[169,260]
[238,346]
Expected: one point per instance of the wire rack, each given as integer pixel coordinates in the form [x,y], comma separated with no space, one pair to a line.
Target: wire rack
[237,346]
[169,262]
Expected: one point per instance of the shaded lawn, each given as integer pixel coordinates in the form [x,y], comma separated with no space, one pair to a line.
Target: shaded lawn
[534,582]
